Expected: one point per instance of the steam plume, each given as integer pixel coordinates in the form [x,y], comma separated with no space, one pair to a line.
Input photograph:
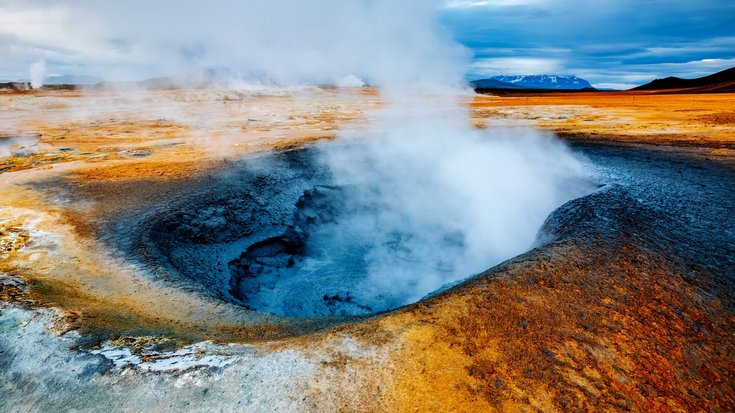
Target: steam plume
[38,73]
[451,200]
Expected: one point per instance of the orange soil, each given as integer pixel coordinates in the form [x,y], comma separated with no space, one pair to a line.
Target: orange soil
[627,117]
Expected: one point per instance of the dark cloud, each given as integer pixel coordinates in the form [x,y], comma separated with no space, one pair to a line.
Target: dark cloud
[606,40]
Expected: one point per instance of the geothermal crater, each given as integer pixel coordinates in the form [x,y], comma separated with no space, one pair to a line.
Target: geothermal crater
[276,234]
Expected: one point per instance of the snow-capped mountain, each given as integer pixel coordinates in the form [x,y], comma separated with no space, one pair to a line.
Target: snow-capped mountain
[545,81]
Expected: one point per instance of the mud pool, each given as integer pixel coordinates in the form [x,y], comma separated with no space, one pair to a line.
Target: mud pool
[262,235]
[276,234]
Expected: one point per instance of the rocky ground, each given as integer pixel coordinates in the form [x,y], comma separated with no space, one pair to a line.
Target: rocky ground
[628,305]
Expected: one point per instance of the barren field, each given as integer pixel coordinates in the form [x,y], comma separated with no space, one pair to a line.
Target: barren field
[628,305]
[706,120]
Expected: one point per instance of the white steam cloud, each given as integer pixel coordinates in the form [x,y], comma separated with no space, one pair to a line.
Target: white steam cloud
[281,41]
[38,73]
[452,201]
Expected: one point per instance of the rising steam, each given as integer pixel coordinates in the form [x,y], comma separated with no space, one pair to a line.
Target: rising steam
[451,201]
[281,41]
[37,73]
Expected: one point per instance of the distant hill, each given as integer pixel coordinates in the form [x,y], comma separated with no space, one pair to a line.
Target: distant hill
[72,80]
[207,77]
[545,82]
[719,82]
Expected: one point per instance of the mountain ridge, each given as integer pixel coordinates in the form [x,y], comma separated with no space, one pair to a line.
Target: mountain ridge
[546,82]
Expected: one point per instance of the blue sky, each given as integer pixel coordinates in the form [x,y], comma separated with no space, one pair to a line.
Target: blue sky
[613,43]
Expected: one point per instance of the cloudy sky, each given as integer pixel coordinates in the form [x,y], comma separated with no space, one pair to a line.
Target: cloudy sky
[611,43]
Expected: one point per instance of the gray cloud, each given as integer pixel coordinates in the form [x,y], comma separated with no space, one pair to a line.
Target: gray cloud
[288,41]
[293,41]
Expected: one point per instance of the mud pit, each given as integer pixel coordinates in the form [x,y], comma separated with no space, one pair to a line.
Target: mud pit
[277,234]
[254,237]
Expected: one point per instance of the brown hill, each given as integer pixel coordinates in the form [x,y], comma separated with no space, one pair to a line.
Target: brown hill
[720,82]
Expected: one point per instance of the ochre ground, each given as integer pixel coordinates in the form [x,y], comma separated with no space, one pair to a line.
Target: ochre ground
[628,117]
[552,334]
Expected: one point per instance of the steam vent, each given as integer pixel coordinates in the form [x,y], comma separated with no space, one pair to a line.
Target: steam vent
[366,206]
